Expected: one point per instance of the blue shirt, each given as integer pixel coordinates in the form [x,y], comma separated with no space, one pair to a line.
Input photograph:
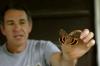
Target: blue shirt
[37,53]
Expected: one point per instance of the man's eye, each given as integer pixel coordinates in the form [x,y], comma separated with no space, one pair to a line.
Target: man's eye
[11,23]
[22,22]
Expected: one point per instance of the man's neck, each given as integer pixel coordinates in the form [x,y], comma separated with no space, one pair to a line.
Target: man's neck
[15,48]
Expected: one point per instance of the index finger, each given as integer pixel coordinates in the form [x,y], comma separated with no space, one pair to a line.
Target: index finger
[84,33]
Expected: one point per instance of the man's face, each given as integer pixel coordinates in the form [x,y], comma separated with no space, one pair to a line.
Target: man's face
[16,26]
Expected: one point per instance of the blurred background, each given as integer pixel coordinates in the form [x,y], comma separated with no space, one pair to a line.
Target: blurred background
[49,16]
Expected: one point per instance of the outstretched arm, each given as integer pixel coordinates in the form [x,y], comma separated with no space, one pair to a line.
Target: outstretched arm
[73,47]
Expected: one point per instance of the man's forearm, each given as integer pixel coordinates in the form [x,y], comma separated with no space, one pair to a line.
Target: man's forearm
[59,60]
[67,62]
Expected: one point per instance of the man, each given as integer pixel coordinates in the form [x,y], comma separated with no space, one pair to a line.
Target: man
[19,51]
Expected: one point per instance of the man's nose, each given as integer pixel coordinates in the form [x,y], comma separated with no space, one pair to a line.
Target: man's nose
[16,28]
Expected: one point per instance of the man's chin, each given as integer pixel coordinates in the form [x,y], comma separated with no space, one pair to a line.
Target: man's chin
[19,42]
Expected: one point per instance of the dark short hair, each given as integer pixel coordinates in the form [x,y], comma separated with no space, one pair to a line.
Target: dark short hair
[15,7]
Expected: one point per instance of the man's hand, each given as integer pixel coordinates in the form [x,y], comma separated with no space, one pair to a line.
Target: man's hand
[76,44]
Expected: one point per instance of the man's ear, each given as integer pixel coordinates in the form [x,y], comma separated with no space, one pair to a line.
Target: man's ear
[2,30]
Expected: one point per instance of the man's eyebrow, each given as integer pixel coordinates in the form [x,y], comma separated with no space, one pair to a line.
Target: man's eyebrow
[8,21]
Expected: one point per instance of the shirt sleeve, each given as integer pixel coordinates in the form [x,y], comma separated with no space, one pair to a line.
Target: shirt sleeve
[50,49]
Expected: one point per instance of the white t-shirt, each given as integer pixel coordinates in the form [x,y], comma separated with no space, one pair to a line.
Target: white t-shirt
[37,53]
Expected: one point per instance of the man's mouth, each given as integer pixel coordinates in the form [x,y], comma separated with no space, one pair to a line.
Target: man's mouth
[18,36]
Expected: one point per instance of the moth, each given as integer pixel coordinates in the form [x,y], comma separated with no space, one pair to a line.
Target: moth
[72,39]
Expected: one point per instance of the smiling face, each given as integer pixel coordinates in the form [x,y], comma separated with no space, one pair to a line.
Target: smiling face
[16,26]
